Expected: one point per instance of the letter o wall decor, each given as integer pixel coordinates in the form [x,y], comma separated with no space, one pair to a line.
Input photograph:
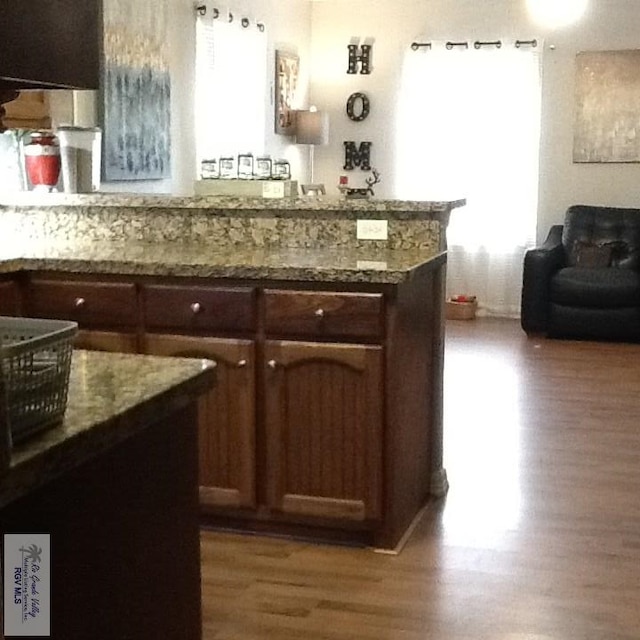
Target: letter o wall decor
[352,104]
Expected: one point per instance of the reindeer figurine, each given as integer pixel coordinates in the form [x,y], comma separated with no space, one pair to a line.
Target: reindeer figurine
[374,179]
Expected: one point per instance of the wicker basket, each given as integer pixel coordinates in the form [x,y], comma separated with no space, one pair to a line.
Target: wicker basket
[461,310]
[36,360]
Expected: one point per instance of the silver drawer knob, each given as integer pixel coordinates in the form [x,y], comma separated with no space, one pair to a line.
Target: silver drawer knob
[319,313]
[195,307]
[272,364]
[80,302]
[242,363]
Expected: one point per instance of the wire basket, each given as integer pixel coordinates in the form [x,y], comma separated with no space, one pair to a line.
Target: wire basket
[36,360]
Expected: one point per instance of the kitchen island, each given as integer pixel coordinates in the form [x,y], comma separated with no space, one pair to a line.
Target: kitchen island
[115,486]
[326,418]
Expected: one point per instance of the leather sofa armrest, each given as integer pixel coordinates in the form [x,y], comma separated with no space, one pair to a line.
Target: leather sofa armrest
[540,263]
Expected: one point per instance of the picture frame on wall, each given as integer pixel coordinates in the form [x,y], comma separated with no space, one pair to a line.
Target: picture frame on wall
[607,90]
[286,83]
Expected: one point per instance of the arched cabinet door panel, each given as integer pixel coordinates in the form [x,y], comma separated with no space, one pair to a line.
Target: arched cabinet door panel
[324,417]
[226,416]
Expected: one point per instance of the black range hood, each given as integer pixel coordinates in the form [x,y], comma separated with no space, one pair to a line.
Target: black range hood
[50,44]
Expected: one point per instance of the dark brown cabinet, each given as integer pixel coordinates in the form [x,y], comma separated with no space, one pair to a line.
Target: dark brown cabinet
[51,44]
[320,421]
[226,416]
[324,426]
[321,403]
[9,298]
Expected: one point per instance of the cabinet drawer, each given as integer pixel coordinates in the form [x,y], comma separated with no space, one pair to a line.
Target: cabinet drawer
[324,314]
[199,308]
[90,304]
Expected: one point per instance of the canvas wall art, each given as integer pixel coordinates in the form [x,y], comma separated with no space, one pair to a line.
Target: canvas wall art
[286,81]
[136,91]
[607,118]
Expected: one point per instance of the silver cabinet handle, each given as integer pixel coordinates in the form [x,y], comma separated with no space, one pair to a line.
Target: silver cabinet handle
[242,363]
[80,302]
[196,307]
[272,364]
[319,313]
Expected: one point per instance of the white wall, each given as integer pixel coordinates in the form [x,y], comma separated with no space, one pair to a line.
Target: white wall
[608,24]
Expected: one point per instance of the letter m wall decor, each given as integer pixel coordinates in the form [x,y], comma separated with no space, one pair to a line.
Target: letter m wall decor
[357,156]
[136,91]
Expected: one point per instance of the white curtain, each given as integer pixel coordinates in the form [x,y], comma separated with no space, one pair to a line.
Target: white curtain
[231,84]
[469,127]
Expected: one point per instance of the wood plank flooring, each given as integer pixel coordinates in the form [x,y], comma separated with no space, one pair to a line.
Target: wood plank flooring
[538,538]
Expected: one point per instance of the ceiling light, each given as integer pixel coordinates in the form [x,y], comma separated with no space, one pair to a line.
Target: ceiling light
[556,13]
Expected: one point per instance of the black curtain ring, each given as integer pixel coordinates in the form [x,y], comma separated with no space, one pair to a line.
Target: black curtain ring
[244,22]
[260,26]
[201,9]
[216,13]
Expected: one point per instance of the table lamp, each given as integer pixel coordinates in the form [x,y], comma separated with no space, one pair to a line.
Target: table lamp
[312,128]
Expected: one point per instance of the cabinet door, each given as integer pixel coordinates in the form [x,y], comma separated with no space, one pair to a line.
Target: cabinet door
[226,416]
[9,299]
[324,417]
[111,341]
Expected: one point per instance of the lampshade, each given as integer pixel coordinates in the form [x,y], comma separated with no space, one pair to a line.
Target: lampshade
[312,127]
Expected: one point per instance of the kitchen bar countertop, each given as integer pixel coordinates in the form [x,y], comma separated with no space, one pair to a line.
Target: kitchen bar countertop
[216,205]
[199,260]
[111,397]
[298,239]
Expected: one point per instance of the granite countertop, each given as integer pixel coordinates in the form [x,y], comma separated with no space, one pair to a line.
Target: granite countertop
[199,260]
[223,204]
[111,397]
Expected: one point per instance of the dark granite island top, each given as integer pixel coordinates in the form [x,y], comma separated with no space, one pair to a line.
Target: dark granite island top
[116,488]
[111,397]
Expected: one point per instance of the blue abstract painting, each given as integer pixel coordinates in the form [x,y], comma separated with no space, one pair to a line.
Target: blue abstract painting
[136,93]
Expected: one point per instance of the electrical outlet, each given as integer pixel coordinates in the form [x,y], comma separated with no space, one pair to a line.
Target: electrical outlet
[372,229]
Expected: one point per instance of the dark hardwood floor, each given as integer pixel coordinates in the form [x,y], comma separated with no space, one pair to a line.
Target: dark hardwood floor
[538,538]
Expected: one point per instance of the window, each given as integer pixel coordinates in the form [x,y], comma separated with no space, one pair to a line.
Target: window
[469,127]
[231,83]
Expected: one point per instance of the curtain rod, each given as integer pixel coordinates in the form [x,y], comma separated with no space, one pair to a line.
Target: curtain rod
[477,44]
[201,10]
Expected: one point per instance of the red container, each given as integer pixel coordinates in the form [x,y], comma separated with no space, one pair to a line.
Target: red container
[42,160]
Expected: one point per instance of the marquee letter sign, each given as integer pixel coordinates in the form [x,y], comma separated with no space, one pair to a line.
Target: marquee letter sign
[363,58]
[364,107]
[357,156]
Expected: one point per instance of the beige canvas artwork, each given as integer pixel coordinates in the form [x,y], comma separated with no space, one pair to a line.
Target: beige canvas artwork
[607,119]
[287,69]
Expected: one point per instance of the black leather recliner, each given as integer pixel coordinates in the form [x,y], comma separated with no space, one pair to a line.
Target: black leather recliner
[584,281]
